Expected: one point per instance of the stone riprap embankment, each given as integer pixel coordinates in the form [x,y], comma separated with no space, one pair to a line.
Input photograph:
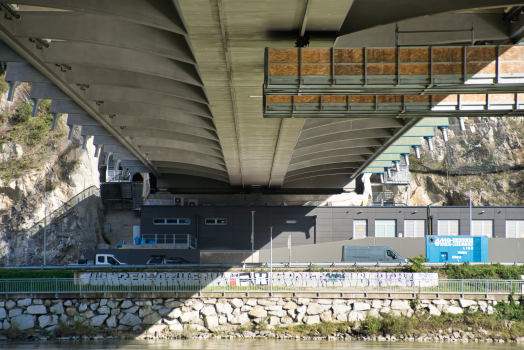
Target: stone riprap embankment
[167,317]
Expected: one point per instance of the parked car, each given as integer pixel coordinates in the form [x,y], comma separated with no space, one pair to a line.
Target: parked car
[162,259]
[370,254]
[102,259]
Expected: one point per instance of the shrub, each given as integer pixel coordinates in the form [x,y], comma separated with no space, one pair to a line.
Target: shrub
[76,327]
[23,113]
[510,311]
[417,263]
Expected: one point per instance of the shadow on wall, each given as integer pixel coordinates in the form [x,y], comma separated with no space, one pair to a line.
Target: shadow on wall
[332,251]
[71,229]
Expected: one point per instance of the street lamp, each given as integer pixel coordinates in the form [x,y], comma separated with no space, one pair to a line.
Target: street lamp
[252,236]
[271,260]
[470,221]
[45,218]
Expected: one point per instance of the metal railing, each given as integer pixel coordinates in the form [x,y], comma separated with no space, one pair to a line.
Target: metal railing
[278,265]
[259,284]
[180,241]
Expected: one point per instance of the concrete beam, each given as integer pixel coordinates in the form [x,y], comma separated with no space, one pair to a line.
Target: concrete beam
[180,121]
[114,77]
[365,14]
[333,153]
[71,26]
[194,173]
[81,119]
[185,166]
[332,172]
[348,135]
[170,132]
[21,71]
[126,95]
[103,56]
[154,13]
[326,160]
[487,27]
[47,91]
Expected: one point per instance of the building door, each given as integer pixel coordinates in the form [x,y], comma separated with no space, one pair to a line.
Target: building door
[385,228]
[360,229]
[515,229]
[482,228]
[414,228]
[448,227]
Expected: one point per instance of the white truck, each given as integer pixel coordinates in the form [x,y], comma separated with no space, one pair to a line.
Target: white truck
[102,259]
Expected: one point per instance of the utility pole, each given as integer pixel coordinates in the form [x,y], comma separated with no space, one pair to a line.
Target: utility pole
[252,236]
[271,260]
[470,221]
[45,221]
[289,247]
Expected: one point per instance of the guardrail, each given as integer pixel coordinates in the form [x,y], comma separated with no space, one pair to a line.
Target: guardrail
[256,285]
[238,265]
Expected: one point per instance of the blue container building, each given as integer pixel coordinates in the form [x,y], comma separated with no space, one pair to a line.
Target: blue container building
[457,249]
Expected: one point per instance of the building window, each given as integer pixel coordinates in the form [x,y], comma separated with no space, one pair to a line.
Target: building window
[448,227]
[385,228]
[515,229]
[414,228]
[482,228]
[171,222]
[360,229]
[212,221]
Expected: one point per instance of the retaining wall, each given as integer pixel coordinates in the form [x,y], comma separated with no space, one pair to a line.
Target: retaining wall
[212,314]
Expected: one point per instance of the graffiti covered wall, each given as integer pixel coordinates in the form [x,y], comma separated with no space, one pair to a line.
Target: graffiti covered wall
[283,279]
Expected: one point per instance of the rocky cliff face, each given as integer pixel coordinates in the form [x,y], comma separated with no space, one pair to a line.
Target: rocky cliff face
[488,157]
[41,172]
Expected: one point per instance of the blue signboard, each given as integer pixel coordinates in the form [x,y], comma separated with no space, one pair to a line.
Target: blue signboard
[456,249]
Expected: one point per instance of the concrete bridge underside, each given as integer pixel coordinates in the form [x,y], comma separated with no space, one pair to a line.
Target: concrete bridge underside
[174,88]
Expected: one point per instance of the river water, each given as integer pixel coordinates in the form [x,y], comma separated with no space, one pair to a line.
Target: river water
[253,345]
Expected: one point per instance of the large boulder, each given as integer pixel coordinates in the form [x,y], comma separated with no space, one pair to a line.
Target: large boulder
[130,320]
[24,302]
[237,303]
[399,305]
[111,321]
[289,306]
[172,304]
[313,319]
[104,310]
[265,302]
[45,320]
[326,316]
[224,308]
[433,310]
[3,313]
[144,311]
[315,309]
[243,318]
[257,312]
[208,311]
[176,313]
[23,322]
[152,318]
[361,306]
[126,304]
[341,309]
[98,321]
[452,309]
[189,317]
[37,310]
[211,322]
[464,303]
[57,309]
[354,316]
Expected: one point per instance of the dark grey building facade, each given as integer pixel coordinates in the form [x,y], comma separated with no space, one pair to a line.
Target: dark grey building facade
[229,228]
